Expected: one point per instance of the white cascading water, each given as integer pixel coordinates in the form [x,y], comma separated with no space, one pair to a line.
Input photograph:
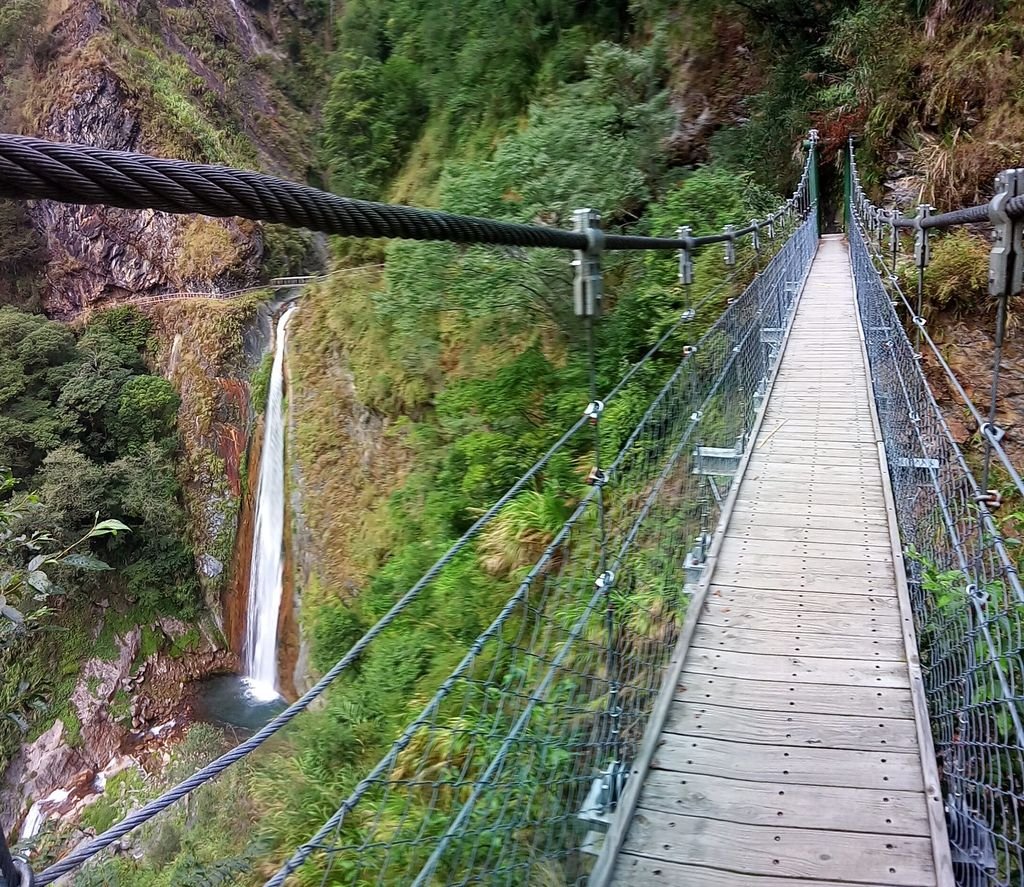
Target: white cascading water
[267,566]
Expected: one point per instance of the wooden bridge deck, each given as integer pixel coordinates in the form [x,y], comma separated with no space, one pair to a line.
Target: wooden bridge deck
[791,752]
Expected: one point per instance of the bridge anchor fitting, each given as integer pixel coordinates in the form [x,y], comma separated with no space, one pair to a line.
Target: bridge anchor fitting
[599,806]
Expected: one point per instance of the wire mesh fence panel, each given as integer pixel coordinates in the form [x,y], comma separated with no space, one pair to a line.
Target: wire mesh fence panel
[965,593]
[512,772]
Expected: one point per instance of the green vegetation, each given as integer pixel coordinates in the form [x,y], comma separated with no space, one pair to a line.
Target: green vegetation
[86,432]
[33,689]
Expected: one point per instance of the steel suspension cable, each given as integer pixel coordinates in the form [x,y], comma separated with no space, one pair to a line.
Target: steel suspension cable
[33,169]
[538,696]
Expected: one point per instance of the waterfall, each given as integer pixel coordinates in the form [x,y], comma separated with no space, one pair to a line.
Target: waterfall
[172,364]
[266,571]
[38,813]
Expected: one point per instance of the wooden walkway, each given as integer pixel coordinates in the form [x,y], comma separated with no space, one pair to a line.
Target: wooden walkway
[791,753]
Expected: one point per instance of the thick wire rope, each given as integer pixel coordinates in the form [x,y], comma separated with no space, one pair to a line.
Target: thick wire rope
[33,169]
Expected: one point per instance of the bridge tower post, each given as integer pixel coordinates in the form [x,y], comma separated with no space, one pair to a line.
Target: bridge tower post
[922,255]
[1005,279]
[812,184]
[848,185]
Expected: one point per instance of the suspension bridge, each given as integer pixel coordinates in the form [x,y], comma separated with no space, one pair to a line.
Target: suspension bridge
[778,639]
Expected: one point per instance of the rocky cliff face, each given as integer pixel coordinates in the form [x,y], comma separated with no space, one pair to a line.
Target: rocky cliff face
[199,81]
[216,81]
[128,706]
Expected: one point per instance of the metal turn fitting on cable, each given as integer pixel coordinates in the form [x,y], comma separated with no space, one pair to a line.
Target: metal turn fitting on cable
[1006,261]
[588,287]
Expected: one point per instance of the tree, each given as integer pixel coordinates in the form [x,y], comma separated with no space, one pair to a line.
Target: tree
[146,411]
[28,558]
[372,116]
[36,358]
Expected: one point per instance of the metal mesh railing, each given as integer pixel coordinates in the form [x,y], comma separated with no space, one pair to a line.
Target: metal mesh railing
[512,771]
[965,592]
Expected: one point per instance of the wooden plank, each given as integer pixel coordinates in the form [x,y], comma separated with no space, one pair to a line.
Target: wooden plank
[776,850]
[783,440]
[742,615]
[809,411]
[796,806]
[795,565]
[740,544]
[822,582]
[801,669]
[804,431]
[791,696]
[797,516]
[804,601]
[638,871]
[813,474]
[808,487]
[792,728]
[860,459]
[815,403]
[811,396]
[808,424]
[836,536]
[798,642]
[787,499]
[818,497]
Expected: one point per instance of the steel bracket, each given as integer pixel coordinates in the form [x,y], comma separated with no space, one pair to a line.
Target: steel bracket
[718,461]
[971,844]
[599,805]
[588,285]
[685,233]
[1006,261]
[693,565]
